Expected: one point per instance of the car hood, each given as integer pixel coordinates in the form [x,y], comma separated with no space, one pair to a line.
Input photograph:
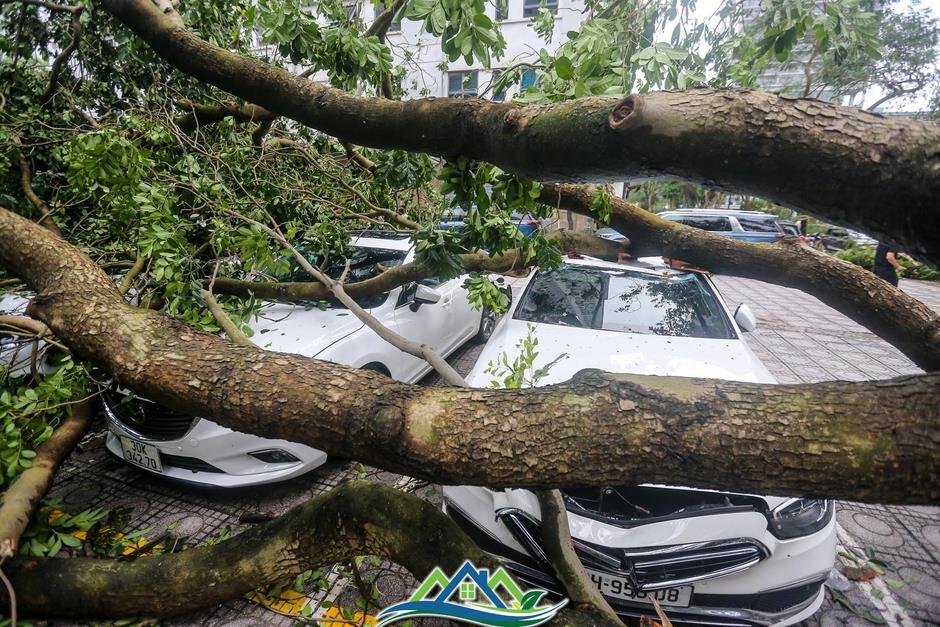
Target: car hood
[301,329]
[628,353]
[623,353]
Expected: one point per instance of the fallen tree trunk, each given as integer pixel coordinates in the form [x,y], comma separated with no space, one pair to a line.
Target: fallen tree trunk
[873,441]
[848,166]
[20,500]
[359,518]
[567,241]
[898,318]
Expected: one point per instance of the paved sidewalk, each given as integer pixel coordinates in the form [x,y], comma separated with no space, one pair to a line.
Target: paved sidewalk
[798,338]
[802,341]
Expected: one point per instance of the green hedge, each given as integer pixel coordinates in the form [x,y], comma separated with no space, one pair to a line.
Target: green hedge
[864,256]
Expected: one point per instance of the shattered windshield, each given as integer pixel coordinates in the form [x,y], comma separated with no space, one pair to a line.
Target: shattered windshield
[625,301]
[364,263]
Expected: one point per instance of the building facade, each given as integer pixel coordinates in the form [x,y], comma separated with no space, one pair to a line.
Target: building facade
[429,73]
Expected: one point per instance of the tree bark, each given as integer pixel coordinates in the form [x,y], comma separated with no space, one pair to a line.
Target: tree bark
[874,441]
[900,319]
[359,518]
[848,166]
[568,569]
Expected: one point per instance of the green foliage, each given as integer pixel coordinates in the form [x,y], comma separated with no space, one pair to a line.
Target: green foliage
[463,27]
[864,256]
[400,169]
[30,412]
[50,530]
[521,372]
[485,292]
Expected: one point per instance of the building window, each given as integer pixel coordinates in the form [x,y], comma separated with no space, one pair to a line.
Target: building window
[462,84]
[502,10]
[500,94]
[528,79]
[395,26]
[530,8]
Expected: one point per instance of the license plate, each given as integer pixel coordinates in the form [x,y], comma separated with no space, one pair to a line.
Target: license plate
[619,588]
[144,455]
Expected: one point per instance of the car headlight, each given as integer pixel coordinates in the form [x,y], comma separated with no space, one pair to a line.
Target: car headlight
[800,517]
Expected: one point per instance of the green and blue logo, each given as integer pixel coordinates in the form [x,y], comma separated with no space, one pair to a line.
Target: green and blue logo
[477,600]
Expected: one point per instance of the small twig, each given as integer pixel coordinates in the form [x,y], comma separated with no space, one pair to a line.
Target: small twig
[11,592]
[231,329]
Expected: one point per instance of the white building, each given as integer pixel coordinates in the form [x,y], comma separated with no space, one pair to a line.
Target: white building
[421,52]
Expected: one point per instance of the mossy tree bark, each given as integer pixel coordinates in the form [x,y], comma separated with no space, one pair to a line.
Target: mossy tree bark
[875,441]
[359,518]
[848,166]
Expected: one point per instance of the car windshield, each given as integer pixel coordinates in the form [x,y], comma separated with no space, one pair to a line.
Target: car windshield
[625,301]
[364,263]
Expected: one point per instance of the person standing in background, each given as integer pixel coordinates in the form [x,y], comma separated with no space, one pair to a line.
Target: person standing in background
[887,265]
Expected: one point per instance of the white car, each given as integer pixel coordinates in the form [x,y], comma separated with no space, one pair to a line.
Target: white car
[708,557]
[196,450]
[16,352]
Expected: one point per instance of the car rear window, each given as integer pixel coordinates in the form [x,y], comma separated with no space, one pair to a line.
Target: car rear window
[624,301]
[364,263]
[759,224]
[708,223]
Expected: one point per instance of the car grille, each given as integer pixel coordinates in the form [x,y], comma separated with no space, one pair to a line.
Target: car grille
[651,568]
[664,567]
[145,418]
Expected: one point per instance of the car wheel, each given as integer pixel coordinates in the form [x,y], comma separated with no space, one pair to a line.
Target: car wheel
[377,367]
[487,324]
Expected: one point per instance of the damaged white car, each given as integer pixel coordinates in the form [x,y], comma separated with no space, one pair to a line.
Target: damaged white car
[708,557]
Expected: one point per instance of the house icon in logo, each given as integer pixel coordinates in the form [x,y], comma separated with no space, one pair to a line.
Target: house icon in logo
[473,595]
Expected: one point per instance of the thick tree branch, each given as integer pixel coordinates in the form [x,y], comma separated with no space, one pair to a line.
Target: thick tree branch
[848,166]
[568,569]
[358,518]
[567,242]
[871,441]
[20,500]
[902,320]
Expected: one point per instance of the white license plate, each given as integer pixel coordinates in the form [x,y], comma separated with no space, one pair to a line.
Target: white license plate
[619,588]
[144,455]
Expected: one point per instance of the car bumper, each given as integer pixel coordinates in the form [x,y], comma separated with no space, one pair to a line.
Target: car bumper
[212,455]
[784,589]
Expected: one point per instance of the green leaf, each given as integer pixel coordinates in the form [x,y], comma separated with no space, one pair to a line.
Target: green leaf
[564,68]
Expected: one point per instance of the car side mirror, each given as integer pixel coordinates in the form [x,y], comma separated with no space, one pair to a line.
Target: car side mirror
[425,295]
[745,318]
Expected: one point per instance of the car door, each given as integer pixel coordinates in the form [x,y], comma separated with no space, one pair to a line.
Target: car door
[425,323]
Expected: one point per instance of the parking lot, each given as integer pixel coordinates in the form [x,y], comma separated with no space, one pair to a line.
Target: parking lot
[798,338]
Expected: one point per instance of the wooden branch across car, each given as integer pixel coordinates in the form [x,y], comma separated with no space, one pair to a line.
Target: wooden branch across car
[867,441]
